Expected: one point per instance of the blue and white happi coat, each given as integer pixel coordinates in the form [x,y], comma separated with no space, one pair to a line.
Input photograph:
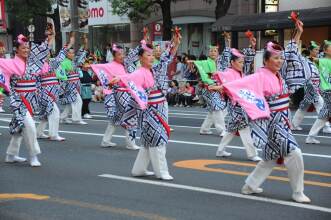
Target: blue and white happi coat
[311,88]
[325,112]
[70,88]
[223,61]
[49,88]
[121,108]
[249,60]
[213,99]
[274,135]
[24,87]
[153,132]
[236,118]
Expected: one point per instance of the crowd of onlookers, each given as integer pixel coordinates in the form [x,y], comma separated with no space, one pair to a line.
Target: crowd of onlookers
[185,86]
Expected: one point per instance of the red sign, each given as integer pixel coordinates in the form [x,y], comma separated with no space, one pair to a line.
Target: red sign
[3,25]
[96,12]
[157,29]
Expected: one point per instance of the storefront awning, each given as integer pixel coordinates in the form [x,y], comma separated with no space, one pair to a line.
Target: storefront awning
[273,20]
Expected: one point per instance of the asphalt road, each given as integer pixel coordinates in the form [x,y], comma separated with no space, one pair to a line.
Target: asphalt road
[80,180]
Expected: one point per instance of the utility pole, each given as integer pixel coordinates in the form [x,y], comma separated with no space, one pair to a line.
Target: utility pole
[74,21]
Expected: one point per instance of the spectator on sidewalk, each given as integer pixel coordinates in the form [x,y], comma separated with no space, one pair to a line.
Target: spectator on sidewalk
[179,75]
[86,90]
[188,94]
[97,92]
[172,93]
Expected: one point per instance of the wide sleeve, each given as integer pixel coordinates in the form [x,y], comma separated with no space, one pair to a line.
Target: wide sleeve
[4,80]
[37,57]
[55,62]
[294,70]
[160,70]
[202,66]
[249,60]
[131,60]
[223,61]
[324,66]
[80,57]
[61,72]
[249,93]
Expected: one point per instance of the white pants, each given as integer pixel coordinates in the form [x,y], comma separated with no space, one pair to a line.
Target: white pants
[295,169]
[246,138]
[299,114]
[29,135]
[75,108]
[317,126]
[109,134]
[216,118]
[156,155]
[53,122]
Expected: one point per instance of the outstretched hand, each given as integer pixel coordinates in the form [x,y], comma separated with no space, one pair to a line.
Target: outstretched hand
[85,41]
[114,81]
[252,42]
[71,39]
[299,26]
[227,38]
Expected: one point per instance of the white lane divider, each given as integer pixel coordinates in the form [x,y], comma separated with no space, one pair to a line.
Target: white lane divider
[182,142]
[217,192]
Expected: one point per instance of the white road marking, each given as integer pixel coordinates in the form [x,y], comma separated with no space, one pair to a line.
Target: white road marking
[217,192]
[183,142]
[180,126]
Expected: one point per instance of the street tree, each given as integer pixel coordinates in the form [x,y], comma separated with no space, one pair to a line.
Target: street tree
[22,12]
[222,7]
[25,10]
[138,10]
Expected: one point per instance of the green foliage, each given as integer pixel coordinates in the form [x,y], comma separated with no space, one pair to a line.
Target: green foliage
[25,10]
[137,10]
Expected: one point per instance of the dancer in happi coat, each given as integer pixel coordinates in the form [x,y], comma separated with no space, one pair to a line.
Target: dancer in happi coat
[49,90]
[312,95]
[18,75]
[70,84]
[238,121]
[324,66]
[265,97]
[120,106]
[155,130]
[216,104]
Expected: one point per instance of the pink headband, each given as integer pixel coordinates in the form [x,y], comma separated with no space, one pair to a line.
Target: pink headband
[21,39]
[237,53]
[116,49]
[272,50]
[144,46]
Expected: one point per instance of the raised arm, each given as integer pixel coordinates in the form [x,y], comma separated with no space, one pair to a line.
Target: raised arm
[294,70]
[55,63]
[131,59]
[249,56]
[223,60]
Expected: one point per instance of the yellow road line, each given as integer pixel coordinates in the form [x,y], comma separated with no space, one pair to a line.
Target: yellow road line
[23,196]
[97,207]
[111,209]
[202,165]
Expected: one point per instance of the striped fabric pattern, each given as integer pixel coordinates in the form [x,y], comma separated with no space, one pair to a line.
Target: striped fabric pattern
[281,103]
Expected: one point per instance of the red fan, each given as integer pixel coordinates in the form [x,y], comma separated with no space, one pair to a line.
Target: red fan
[294,16]
[145,31]
[249,34]
[177,30]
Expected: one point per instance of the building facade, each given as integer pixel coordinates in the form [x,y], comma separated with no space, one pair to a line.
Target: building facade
[105,27]
[195,18]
